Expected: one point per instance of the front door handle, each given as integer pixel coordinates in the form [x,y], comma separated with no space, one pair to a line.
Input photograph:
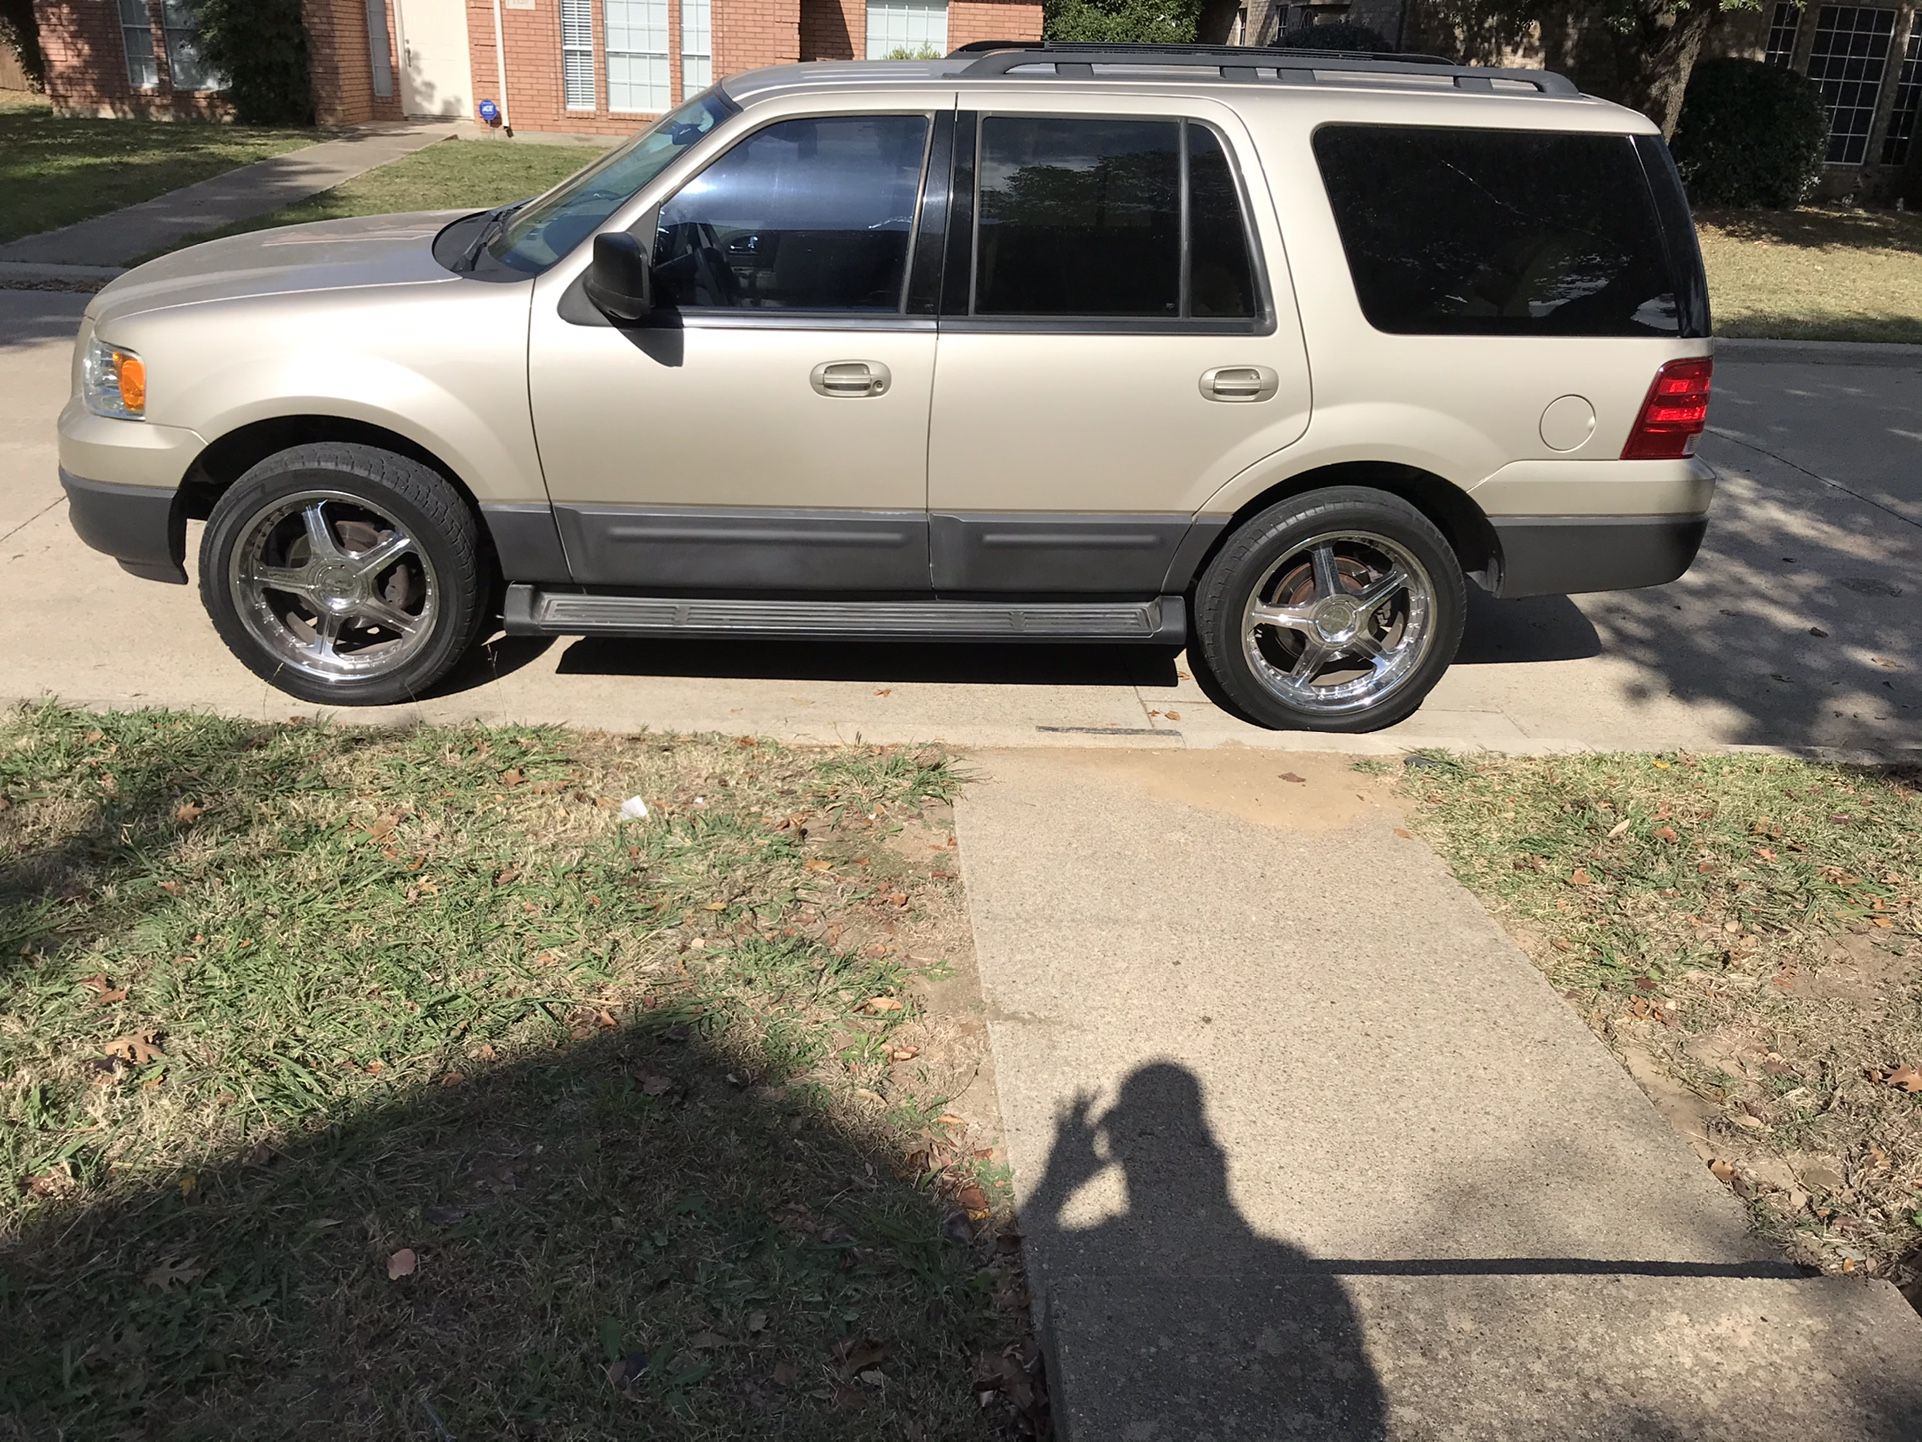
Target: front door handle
[1239,383]
[850,378]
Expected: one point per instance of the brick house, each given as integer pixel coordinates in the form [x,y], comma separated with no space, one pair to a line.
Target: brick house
[605,66]
[1865,59]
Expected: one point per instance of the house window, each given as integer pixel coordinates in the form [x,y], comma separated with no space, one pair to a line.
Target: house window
[380,54]
[577,54]
[1908,100]
[136,34]
[697,45]
[907,27]
[637,75]
[1851,54]
[1782,27]
[184,64]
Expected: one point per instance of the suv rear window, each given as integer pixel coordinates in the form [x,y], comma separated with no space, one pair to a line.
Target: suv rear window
[1498,232]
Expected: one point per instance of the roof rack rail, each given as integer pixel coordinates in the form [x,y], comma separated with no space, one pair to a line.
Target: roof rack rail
[999,58]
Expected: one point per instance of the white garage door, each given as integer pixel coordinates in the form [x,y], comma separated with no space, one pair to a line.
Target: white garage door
[913,26]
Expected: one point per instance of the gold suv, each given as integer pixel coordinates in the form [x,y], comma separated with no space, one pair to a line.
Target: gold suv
[1264,352]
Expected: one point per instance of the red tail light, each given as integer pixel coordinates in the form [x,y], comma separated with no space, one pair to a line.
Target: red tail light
[1674,413]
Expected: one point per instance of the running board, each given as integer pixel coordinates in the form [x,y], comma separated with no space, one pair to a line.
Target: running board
[532,611]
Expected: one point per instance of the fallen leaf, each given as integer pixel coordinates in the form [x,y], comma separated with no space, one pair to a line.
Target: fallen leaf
[706,1341]
[817,864]
[857,1354]
[512,776]
[654,1084]
[756,1321]
[885,691]
[187,812]
[136,1046]
[1618,828]
[972,1197]
[1908,1078]
[1722,1171]
[507,875]
[1580,877]
[879,1004]
[1666,833]
[905,1053]
[171,1273]
[1172,715]
[1764,853]
[382,827]
[1404,833]
[1291,776]
[402,1264]
[172,888]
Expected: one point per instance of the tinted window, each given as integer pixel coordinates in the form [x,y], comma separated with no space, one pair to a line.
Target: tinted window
[1222,274]
[804,215]
[1497,232]
[1079,217]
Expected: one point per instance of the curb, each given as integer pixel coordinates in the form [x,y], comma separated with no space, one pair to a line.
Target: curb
[1829,352]
[39,275]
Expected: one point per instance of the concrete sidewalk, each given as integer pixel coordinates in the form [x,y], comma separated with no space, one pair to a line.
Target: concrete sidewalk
[1304,1147]
[122,236]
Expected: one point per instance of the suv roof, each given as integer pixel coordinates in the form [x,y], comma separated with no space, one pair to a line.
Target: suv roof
[1177,67]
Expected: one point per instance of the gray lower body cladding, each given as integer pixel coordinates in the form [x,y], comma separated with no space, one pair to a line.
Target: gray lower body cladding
[142,527]
[850,552]
[1567,555]
[533,611]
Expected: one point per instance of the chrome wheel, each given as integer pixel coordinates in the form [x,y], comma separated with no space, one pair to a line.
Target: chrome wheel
[333,586]
[1340,622]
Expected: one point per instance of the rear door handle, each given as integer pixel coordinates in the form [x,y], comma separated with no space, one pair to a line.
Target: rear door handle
[850,378]
[1239,383]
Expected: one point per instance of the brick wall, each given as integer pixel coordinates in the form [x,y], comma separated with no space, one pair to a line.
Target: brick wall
[340,61]
[87,65]
[746,34]
[972,20]
[833,29]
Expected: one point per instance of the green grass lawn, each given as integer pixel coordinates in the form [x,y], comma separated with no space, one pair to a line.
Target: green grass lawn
[451,175]
[388,1084]
[1747,933]
[54,171]
[1823,273]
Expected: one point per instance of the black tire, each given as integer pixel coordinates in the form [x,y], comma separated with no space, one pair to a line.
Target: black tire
[446,537]
[1262,542]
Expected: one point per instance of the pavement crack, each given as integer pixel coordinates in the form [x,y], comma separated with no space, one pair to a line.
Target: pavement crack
[1835,485]
[31,519]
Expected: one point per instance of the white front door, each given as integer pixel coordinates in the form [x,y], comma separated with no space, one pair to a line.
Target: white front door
[434,75]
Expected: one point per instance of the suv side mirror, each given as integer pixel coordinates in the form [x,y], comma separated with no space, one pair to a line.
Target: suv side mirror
[620,279]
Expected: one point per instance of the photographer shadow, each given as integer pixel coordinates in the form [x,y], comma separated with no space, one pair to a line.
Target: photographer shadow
[1182,1318]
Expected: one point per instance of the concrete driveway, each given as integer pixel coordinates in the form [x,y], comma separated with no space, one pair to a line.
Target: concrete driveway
[1797,627]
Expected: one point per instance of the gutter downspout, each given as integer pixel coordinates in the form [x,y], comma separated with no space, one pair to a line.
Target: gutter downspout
[500,71]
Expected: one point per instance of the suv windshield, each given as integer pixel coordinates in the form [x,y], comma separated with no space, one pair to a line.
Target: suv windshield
[548,227]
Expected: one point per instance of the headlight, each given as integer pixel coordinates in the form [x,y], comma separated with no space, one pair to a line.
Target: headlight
[115,382]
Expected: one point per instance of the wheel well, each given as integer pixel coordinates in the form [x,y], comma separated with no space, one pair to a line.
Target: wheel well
[1445,504]
[230,457]
[239,451]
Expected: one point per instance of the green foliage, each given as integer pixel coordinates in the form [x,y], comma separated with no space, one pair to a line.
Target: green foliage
[1750,135]
[20,34]
[1341,35]
[1121,22]
[261,47]
[902,52]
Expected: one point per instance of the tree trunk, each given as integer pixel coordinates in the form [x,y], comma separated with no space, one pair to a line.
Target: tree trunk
[1643,61]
